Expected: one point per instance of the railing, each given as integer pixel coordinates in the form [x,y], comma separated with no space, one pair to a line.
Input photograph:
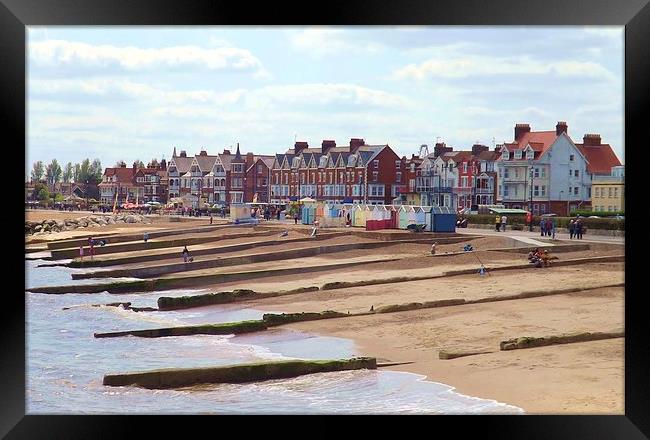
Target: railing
[442,189]
[484,190]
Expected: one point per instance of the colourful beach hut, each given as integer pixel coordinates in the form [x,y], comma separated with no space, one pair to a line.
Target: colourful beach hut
[443,219]
[359,216]
[420,215]
[404,216]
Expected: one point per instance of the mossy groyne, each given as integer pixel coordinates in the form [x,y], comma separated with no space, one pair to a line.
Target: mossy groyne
[531,342]
[228,328]
[261,371]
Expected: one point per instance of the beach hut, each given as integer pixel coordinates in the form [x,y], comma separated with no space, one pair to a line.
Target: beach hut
[359,216]
[443,219]
[428,220]
[394,216]
[404,212]
[420,215]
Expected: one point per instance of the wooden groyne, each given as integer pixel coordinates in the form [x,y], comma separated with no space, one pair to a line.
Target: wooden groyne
[254,372]
[531,342]
[228,328]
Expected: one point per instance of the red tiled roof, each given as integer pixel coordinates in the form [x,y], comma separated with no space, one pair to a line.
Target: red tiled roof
[601,158]
[123,174]
[538,140]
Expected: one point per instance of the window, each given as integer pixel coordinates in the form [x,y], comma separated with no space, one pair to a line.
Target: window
[500,189]
[505,191]
[597,192]
[570,173]
[615,192]
[575,191]
[609,191]
[576,173]
[543,190]
[543,209]
[572,157]
[398,176]
[536,191]
[259,169]
[375,174]
[517,154]
[375,163]
[302,179]
[237,168]
[464,167]
[536,208]
[398,164]
[530,154]
[543,172]
[412,167]
[516,173]
[463,181]
[536,172]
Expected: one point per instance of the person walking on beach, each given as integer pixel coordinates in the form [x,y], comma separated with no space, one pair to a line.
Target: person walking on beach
[91,245]
[210,218]
[572,229]
[497,223]
[81,253]
[542,227]
[186,255]
[145,237]
[504,220]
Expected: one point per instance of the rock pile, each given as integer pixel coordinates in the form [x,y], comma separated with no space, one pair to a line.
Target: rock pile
[93,221]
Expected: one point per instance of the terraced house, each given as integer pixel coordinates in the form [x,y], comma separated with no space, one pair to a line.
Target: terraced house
[547,171]
[134,184]
[354,173]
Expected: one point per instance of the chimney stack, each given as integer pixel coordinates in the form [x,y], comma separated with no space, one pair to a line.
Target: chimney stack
[356,143]
[226,152]
[203,153]
[326,145]
[561,127]
[478,149]
[591,140]
[183,153]
[299,146]
[441,148]
[520,130]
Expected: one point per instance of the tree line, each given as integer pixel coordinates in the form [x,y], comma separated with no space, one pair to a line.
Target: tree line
[84,172]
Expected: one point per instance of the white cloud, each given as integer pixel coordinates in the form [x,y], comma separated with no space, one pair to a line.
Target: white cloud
[60,53]
[330,41]
[475,66]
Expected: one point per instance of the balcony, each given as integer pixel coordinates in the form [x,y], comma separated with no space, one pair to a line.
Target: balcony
[513,179]
[483,190]
[442,189]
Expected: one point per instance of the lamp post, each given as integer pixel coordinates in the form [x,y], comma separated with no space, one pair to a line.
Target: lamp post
[530,205]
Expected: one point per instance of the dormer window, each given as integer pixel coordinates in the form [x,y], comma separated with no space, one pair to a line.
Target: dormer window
[517,154]
[505,155]
[530,154]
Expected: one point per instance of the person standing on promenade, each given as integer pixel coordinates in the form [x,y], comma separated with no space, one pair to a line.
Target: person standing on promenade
[504,220]
[579,229]
[553,228]
[81,253]
[185,254]
[210,218]
[572,229]
[542,227]
[497,223]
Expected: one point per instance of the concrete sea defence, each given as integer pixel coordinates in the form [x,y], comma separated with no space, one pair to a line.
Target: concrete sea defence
[183,377]
[151,271]
[58,254]
[531,342]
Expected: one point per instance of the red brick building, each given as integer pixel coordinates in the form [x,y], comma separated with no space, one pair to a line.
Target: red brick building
[352,173]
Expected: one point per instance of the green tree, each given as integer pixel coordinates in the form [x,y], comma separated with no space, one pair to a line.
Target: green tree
[138,163]
[41,192]
[120,163]
[67,172]
[96,171]
[84,174]
[37,171]
[153,164]
[53,172]
[76,173]
[58,197]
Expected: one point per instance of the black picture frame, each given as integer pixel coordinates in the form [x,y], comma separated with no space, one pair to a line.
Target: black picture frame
[15,15]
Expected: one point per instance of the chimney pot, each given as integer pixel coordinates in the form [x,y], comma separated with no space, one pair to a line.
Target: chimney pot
[591,139]
[561,127]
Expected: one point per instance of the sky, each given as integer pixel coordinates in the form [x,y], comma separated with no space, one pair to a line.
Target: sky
[127,93]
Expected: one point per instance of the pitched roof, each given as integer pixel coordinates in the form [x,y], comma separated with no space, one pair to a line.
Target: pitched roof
[123,174]
[601,158]
[205,162]
[225,160]
[488,155]
[183,163]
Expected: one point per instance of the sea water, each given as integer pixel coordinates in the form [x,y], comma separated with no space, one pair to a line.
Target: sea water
[65,364]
